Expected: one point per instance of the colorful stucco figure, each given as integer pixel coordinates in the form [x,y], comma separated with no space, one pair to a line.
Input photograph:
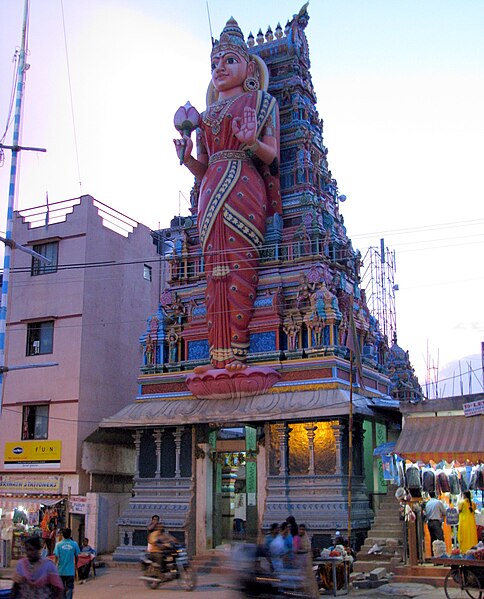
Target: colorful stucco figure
[237,167]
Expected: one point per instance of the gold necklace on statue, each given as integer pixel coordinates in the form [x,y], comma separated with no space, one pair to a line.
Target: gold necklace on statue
[213,117]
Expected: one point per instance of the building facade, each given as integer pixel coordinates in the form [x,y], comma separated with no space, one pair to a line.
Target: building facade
[83,311]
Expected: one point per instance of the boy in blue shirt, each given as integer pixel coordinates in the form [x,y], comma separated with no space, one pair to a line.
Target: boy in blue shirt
[66,552]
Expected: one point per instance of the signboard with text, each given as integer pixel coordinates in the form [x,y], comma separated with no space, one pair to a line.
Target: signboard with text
[32,454]
[78,504]
[473,408]
[11,483]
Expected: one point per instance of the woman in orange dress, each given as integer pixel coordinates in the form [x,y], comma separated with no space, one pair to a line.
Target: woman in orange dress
[237,165]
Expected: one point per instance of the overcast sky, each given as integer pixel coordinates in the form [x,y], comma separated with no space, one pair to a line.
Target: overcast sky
[400,88]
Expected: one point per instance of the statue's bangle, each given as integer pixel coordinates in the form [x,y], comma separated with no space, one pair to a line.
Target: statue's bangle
[254,147]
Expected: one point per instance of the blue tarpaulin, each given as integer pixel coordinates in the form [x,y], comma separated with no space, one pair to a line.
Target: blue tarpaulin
[384,448]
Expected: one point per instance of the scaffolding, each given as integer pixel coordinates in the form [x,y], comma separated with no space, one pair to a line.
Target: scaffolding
[378,280]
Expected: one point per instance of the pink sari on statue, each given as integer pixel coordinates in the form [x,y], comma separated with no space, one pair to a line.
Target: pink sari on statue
[235,199]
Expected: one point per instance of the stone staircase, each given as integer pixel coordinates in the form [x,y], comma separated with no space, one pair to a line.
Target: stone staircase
[387,533]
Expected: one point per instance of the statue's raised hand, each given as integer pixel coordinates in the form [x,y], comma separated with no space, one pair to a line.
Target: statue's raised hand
[184,147]
[245,127]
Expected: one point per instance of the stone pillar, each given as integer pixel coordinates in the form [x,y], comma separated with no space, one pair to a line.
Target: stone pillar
[157,435]
[338,434]
[204,498]
[178,435]
[229,475]
[311,431]
[251,483]
[137,446]
[282,434]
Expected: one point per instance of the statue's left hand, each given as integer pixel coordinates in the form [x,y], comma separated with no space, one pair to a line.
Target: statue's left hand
[245,127]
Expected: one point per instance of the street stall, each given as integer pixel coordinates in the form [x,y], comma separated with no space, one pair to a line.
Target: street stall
[443,454]
[29,507]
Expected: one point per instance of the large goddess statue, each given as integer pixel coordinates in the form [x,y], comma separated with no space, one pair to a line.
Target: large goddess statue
[237,167]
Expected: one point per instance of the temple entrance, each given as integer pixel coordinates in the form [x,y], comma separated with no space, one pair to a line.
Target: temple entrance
[235,485]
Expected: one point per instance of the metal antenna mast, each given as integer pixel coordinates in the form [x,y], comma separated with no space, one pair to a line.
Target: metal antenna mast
[10,244]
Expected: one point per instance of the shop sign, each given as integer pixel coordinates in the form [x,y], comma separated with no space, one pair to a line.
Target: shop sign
[78,504]
[20,484]
[474,408]
[32,454]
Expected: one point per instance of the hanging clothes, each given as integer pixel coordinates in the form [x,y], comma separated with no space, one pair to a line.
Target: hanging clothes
[412,478]
[428,480]
[454,483]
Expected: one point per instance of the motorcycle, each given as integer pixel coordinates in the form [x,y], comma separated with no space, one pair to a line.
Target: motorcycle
[172,564]
[257,576]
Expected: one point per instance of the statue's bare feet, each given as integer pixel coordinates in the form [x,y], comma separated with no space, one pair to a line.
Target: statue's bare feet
[235,365]
[202,369]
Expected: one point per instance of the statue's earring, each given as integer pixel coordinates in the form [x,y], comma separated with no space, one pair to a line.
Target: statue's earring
[251,84]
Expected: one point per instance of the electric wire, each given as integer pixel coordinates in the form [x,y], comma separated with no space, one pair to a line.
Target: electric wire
[71,97]
[77,420]
[12,96]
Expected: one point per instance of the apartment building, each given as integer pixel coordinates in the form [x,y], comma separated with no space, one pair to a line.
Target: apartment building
[84,312]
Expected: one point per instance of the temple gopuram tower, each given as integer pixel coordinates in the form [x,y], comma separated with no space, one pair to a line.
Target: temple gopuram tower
[218,469]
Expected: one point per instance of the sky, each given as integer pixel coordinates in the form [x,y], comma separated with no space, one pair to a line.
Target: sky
[400,86]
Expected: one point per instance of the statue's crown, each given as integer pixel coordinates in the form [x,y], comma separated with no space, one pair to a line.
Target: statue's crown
[231,38]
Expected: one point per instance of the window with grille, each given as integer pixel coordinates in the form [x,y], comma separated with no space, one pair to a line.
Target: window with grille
[40,337]
[147,272]
[49,250]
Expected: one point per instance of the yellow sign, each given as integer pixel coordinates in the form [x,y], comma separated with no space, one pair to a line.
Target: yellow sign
[32,454]
[11,483]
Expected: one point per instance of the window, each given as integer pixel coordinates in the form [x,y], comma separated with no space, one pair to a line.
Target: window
[34,422]
[147,272]
[40,336]
[50,251]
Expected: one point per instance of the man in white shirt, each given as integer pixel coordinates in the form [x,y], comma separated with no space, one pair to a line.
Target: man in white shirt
[435,511]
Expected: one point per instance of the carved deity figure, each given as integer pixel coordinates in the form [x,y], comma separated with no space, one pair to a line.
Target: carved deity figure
[149,351]
[303,291]
[172,346]
[292,330]
[237,167]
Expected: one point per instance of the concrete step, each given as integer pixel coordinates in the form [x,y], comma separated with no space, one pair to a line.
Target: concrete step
[387,532]
[380,539]
[435,581]
[385,519]
[366,567]
[423,573]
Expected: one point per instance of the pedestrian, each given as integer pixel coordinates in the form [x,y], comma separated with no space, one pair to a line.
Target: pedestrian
[304,556]
[36,577]
[85,561]
[270,536]
[467,533]
[66,552]
[435,511]
[281,548]
[293,527]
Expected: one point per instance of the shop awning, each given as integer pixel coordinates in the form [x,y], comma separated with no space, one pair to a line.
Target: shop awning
[10,502]
[442,438]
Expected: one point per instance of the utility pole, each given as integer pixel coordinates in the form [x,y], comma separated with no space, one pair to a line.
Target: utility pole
[10,244]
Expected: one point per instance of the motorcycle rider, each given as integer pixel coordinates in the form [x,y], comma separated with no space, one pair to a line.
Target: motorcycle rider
[161,543]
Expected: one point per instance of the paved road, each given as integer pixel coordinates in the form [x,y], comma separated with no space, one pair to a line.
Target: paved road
[121,583]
